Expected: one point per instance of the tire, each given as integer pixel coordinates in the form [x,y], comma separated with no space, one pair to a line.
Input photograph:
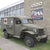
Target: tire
[43,40]
[29,41]
[6,35]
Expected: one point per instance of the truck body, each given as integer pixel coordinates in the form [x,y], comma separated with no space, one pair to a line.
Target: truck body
[22,27]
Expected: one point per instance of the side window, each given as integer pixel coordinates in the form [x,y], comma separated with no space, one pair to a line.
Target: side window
[18,21]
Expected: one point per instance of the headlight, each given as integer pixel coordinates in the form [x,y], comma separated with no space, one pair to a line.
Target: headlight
[34,30]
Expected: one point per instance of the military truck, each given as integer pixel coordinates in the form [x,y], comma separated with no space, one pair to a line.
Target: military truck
[23,27]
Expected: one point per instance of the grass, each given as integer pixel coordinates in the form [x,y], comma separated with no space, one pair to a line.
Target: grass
[0,48]
[38,46]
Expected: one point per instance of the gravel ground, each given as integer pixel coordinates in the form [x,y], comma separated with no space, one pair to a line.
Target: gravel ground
[9,45]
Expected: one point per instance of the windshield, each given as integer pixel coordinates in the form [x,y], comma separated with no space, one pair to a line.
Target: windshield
[27,21]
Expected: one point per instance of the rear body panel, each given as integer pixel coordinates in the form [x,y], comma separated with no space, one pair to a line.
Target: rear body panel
[9,26]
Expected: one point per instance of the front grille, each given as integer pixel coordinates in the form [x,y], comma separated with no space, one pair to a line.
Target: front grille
[40,32]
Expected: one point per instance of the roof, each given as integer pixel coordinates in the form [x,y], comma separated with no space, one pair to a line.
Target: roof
[16,16]
[12,5]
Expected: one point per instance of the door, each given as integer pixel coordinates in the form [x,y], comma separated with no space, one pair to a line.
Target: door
[17,26]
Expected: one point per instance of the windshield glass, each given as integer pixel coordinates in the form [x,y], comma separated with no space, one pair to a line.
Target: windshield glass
[27,21]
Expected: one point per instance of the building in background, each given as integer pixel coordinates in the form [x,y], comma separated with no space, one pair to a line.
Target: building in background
[39,10]
[14,9]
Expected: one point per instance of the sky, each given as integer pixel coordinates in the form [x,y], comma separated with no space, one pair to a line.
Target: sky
[4,3]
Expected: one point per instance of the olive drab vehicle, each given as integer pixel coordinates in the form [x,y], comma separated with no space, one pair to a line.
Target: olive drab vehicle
[23,27]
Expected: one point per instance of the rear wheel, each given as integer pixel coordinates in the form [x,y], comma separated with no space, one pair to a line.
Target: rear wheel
[29,41]
[6,35]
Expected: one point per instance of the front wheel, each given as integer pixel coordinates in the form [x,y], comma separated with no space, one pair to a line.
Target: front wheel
[29,41]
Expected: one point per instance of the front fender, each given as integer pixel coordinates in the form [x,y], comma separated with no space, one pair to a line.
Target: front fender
[30,32]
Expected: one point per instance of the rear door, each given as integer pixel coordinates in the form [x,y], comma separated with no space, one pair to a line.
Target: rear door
[17,26]
[9,25]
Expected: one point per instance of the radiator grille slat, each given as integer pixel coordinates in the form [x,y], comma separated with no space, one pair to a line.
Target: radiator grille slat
[41,32]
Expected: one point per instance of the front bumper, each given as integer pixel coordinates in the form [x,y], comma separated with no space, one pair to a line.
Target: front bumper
[41,37]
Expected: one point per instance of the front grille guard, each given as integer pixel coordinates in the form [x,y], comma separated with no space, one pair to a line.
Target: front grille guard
[41,32]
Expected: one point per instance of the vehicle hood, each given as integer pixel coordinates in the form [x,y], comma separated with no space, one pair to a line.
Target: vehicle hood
[32,26]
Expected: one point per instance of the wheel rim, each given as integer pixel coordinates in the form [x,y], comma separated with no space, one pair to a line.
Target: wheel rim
[28,42]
